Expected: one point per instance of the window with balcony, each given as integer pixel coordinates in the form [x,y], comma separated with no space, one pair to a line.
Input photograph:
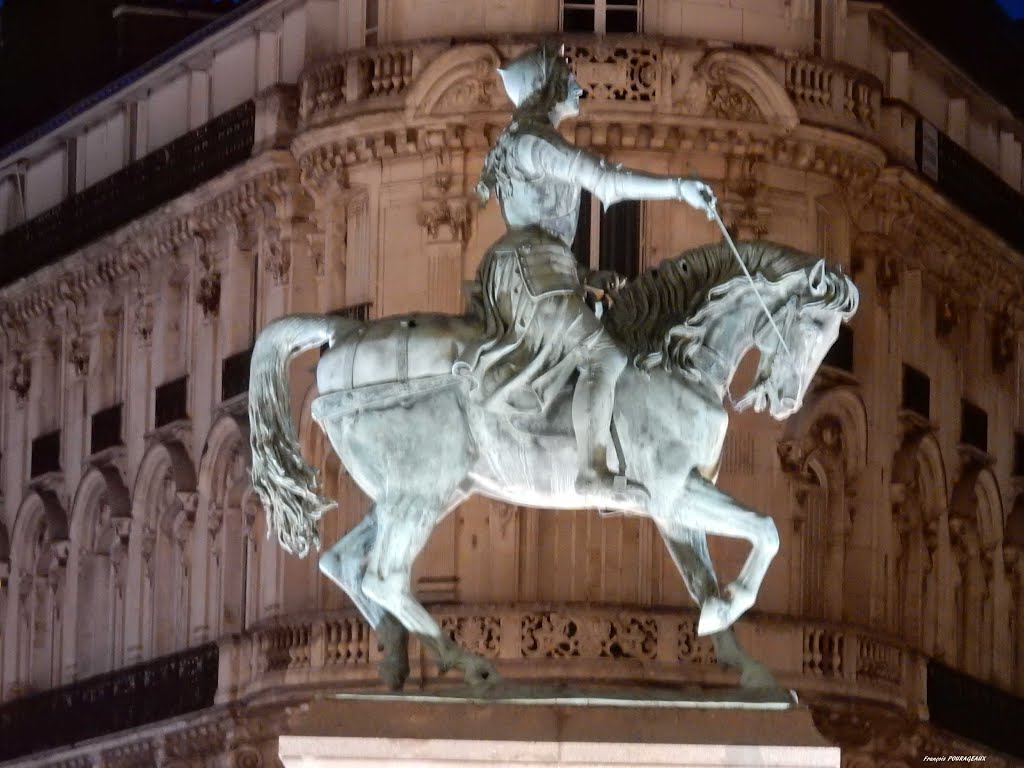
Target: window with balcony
[613,17]
[609,239]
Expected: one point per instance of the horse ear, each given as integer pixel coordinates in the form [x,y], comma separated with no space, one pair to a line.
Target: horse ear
[817,279]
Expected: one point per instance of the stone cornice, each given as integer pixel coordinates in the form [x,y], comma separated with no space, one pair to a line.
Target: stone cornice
[326,156]
[954,251]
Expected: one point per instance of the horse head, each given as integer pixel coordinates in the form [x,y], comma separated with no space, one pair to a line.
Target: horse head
[813,302]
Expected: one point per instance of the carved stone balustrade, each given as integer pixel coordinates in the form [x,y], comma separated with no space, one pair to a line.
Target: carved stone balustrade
[636,72]
[831,94]
[573,643]
[366,74]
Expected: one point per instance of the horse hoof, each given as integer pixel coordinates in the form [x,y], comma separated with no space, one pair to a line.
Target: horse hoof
[394,673]
[714,616]
[756,675]
[482,675]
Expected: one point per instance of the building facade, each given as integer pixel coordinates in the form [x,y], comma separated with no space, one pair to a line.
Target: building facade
[320,156]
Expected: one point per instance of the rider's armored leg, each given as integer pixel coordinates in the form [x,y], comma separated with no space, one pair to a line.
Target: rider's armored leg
[592,405]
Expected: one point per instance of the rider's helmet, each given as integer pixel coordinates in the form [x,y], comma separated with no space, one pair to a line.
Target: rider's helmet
[527,74]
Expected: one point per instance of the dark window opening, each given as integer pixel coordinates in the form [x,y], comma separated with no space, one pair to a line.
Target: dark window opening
[1018,454]
[916,392]
[621,21]
[620,239]
[973,426]
[577,19]
[172,401]
[841,354]
[614,17]
[618,236]
[581,243]
[106,429]
[45,454]
[975,710]
[234,374]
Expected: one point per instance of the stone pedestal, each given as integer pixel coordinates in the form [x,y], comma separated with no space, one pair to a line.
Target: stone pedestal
[578,731]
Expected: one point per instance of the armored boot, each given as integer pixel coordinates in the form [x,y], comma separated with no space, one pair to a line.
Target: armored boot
[592,404]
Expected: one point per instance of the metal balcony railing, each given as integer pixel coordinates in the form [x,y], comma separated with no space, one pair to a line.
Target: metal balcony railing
[161,689]
[157,178]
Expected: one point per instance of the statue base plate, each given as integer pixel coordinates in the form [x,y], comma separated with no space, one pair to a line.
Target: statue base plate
[528,727]
[542,694]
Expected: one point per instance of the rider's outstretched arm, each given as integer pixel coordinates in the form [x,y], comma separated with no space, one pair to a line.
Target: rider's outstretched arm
[556,158]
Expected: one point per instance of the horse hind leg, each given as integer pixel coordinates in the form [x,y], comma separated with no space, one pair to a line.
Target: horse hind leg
[345,565]
[403,528]
[689,551]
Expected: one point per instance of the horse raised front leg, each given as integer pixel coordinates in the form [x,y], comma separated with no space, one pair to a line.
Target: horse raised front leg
[689,551]
[715,512]
[403,528]
[345,565]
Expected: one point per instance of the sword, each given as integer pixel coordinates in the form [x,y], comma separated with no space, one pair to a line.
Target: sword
[713,211]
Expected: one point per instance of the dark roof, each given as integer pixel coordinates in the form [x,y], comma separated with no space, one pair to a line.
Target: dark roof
[979,37]
[58,57]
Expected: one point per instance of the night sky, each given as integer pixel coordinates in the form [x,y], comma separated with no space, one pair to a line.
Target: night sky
[1013,7]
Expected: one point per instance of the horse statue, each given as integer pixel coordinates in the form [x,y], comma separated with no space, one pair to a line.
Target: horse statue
[417,439]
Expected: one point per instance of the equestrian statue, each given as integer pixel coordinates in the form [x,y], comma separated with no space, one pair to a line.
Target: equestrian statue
[530,399]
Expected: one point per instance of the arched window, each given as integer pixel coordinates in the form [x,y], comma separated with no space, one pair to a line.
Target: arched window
[99,532]
[1013,559]
[975,523]
[41,551]
[225,477]
[824,453]
[918,496]
[5,574]
[164,511]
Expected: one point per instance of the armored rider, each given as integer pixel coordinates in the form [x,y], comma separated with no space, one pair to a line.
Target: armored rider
[538,327]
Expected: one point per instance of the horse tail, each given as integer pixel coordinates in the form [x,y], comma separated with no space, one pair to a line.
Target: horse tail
[285,483]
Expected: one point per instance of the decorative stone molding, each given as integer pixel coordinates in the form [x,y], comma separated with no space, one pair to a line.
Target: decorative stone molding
[78,353]
[20,376]
[208,293]
[1004,341]
[277,256]
[740,88]
[252,509]
[947,315]
[133,754]
[879,252]
[446,220]
[463,79]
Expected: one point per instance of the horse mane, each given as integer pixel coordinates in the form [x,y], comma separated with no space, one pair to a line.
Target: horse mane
[661,317]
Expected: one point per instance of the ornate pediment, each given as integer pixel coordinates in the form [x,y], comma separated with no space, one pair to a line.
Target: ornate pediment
[459,81]
[729,85]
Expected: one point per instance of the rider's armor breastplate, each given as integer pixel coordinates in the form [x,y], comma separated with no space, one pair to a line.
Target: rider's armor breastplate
[532,202]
